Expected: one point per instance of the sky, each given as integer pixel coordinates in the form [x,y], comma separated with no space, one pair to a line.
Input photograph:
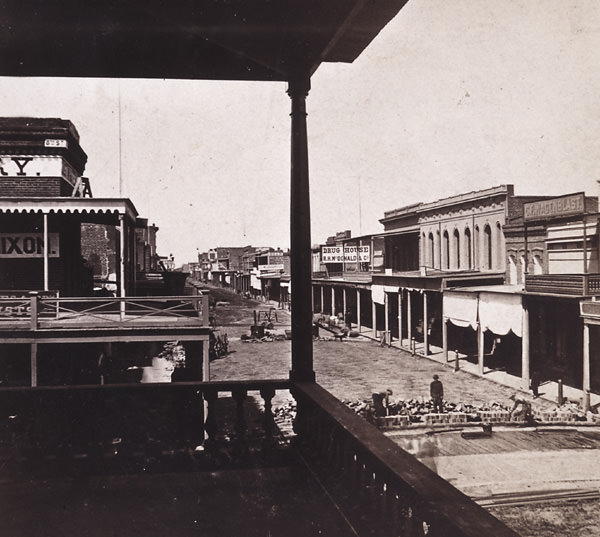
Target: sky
[450,97]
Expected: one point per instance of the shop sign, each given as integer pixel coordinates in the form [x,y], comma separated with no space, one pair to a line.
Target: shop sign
[18,304]
[56,143]
[348,254]
[27,245]
[571,205]
[38,166]
[10,307]
[271,268]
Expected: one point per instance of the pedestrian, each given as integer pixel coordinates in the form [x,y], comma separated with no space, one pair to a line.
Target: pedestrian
[381,403]
[436,389]
[535,383]
[521,407]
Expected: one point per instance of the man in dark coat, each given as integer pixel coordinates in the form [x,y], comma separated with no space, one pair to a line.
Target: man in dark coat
[436,389]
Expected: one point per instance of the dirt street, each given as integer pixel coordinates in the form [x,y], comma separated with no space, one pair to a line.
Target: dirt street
[351,370]
[355,368]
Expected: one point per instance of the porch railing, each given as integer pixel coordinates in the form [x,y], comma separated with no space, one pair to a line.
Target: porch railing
[379,488]
[375,482]
[38,311]
[563,284]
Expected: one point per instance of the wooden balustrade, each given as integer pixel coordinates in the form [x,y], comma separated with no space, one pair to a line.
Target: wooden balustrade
[37,310]
[80,419]
[380,489]
[397,494]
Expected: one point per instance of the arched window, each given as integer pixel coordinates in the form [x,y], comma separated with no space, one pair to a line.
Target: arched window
[522,271]
[456,245]
[431,250]
[488,249]
[537,265]
[468,249]
[499,250]
[446,250]
[477,248]
[513,276]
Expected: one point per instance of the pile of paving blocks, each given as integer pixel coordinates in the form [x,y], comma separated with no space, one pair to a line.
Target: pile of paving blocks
[450,418]
[556,415]
[496,416]
[403,414]
[397,421]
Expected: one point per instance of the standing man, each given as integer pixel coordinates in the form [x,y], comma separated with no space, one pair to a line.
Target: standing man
[436,389]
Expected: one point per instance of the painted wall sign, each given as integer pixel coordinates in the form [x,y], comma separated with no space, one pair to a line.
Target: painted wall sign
[37,166]
[348,254]
[18,304]
[571,205]
[27,245]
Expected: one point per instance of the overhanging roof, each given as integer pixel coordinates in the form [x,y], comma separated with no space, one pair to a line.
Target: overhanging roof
[98,206]
[190,39]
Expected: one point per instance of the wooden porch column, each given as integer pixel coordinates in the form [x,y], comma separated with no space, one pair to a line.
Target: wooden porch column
[425,325]
[302,351]
[586,368]
[445,338]
[332,300]
[409,317]
[46,253]
[373,316]
[358,309]
[386,304]
[322,299]
[480,350]
[345,304]
[122,250]
[34,381]
[525,358]
[205,360]
[400,316]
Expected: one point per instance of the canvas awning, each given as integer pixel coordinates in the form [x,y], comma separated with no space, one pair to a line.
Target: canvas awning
[500,313]
[461,308]
[83,206]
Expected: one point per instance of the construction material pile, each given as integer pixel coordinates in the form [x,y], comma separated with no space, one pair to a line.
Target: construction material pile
[414,411]
[275,335]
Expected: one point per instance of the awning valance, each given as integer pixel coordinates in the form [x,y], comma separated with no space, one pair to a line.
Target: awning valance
[378,294]
[501,313]
[255,282]
[461,308]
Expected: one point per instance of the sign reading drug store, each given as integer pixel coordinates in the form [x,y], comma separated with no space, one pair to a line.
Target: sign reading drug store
[27,245]
[337,254]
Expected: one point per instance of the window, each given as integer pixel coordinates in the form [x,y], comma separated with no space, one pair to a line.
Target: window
[446,262]
[487,248]
[456,245]
[468,249]
[431,250]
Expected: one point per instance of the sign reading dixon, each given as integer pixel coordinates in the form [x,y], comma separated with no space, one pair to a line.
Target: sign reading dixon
[26,245]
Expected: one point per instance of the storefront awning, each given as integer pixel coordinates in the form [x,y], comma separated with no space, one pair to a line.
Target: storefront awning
[82,206]
[461,309]
[255,282]
[500,313]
